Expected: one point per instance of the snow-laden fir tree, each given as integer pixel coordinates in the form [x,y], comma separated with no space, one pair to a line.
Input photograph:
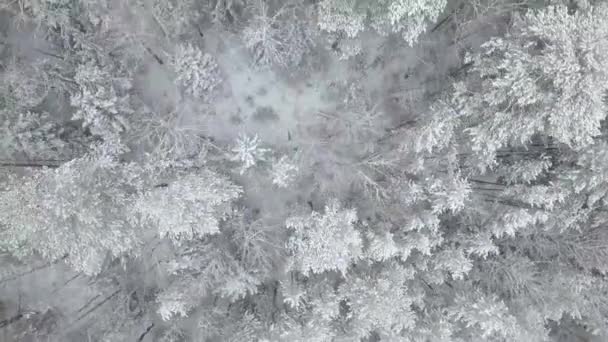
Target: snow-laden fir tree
[174,18]
[101,102]
[188,208]
[196,72]
[201,271]
[29,136]
[324,242]
[76,212]
[379,303]
[247,152]
[547,76]
[279,38]
[283,172]
[405,17]
[25,85]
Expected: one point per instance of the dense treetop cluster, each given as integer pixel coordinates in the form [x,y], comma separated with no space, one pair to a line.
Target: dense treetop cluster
[290,170]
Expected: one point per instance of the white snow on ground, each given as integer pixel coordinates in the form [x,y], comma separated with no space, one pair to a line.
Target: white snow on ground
[258,101]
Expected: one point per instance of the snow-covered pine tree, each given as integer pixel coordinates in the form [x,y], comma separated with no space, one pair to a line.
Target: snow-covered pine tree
[324,242]
[196,72]
[188,208]
[76,212]
[101,101]
[408,18]
[279,38]
[545,77]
